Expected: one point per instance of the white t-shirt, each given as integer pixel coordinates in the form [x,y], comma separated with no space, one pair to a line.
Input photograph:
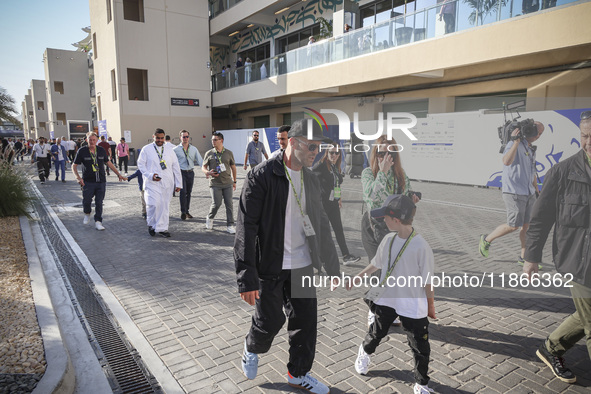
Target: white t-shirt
[408,296]
[296,253]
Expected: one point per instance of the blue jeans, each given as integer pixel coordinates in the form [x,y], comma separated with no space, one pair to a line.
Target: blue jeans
[60,164]
[96,190]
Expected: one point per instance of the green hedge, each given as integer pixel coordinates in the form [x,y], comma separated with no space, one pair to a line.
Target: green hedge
[14,197]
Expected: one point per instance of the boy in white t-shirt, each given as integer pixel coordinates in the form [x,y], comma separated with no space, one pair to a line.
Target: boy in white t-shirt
[407,265]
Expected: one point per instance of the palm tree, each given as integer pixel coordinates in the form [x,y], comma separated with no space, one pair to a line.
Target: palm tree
[481,9]
[7,110]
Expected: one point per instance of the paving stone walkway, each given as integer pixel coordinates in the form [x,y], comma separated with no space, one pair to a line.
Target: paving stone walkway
[181,292]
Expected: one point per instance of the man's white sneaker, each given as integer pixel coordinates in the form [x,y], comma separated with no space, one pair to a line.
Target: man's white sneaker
[99,226]
[420,389]
[362,362]
[86,219]
[250,363]
[307,382]
[208,223]
[231,230]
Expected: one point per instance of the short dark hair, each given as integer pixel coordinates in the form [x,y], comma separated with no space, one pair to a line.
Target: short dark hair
[284,128]
[183,131]
[167,138]
[159,131]
[218,135]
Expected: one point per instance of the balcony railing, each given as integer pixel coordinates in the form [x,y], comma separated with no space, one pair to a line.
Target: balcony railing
[400,30]
[216,7]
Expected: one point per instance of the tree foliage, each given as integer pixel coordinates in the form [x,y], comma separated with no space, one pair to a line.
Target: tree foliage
[7,110]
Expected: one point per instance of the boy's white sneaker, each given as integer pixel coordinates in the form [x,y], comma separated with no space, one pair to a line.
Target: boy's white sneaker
[362,362]
[371,317]
[307,382]
[420,389]
[99,226]
[208,223]
[86,219]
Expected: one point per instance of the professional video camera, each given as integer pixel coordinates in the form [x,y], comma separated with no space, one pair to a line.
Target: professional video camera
[527,128]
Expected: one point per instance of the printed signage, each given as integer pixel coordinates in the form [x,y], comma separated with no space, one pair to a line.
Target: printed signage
[184,102]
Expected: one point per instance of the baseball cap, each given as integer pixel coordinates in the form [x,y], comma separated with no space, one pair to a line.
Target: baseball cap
[396,205]
[299,128]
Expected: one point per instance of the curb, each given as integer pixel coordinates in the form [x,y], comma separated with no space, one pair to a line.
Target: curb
[59,374]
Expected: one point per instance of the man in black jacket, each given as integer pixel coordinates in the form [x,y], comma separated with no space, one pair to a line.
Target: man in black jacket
[565,203]
[281,234]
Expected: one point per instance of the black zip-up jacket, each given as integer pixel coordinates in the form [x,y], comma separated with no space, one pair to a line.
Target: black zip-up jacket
[565,203]
[258,246]
[326,179]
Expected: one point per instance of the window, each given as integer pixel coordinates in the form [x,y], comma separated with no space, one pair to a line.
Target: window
[295,40]
[290,117]
[256,54]
[98,105]
[30,113]
[261,121]
[137,81]
[418,108]
[133,10]
[61,118]
[40,106]
[42,125]
[109,15]
[58,86]
[490,101]
[94,47]
[113,85]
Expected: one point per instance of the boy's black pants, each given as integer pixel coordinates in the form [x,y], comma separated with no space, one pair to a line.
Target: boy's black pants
[417,332]
[275,295]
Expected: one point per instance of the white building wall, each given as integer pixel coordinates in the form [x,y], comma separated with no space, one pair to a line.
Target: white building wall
[38,94]
[172,45]
[71,68]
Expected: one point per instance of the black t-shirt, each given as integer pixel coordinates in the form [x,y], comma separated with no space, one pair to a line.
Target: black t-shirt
[84,157]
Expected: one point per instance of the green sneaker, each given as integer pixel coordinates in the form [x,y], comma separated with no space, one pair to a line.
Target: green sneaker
[520,261]
[483,246]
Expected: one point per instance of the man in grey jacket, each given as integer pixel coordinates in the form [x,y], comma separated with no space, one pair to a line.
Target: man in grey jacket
[565,203]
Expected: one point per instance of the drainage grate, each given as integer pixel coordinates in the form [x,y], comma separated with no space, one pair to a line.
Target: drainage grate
[120,361]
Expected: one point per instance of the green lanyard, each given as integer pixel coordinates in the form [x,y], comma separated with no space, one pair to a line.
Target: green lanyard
[187,154]
[219,158]
[294,190]
[391,266]
[158,153]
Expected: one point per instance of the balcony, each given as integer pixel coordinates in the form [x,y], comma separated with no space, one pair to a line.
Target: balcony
[436,21]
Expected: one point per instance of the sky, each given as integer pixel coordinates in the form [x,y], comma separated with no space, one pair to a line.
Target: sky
[28,28]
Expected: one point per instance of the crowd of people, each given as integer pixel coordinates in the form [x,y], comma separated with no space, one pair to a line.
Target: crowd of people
[288,200]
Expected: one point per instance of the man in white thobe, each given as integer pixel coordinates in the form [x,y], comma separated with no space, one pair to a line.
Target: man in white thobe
[162,175]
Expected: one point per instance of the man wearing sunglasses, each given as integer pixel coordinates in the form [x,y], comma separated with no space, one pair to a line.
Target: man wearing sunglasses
[254,152]
[565,203]
[282,234]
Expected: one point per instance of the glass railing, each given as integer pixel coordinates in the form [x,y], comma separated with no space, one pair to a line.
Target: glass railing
[445,18]
[216,7]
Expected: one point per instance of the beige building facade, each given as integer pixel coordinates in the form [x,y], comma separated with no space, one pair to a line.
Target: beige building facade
[39,105]
[151,68]
[68,91]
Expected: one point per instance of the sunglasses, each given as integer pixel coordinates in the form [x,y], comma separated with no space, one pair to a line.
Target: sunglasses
[311,147]
[334,153]
[185,136]
[585,115]
[382,154]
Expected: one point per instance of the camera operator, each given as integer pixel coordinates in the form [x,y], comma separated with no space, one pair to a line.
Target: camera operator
[519,188]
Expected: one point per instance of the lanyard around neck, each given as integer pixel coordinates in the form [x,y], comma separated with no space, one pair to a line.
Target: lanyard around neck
[393,264]
[294,190]
[158,153]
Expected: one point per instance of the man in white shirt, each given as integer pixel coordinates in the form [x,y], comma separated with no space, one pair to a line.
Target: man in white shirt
[162,175]
[40,154]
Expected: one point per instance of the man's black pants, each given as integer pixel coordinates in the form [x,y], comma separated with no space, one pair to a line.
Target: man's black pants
[123,160]
[185,195]
[72,155]
[417,333]
[301,314]
[96,190]
[43,168]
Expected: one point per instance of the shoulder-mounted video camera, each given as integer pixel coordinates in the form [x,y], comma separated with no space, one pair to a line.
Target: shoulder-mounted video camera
[527,127]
